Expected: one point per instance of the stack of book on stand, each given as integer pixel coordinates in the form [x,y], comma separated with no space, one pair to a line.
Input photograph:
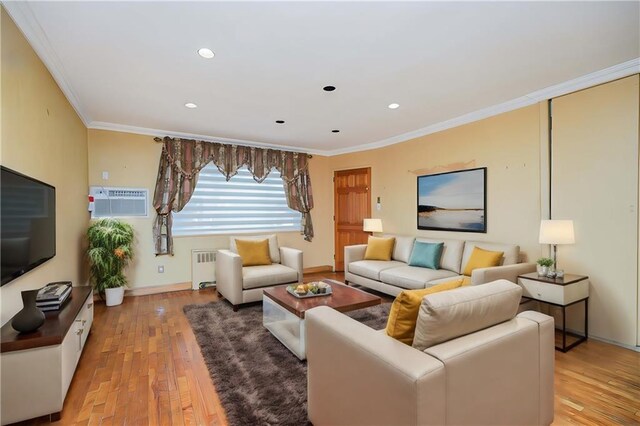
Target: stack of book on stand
[53,296]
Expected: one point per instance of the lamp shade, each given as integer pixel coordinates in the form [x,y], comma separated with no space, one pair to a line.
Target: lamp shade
[556,232]
[372,225]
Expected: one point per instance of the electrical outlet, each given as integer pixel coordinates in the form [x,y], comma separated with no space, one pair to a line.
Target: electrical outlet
[105,175]
[161,269]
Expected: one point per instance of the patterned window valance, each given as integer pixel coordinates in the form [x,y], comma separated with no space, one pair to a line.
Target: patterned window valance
[182,159]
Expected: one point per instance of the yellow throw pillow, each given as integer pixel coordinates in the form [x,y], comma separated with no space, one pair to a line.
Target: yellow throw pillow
[403,316]
[379,248]
[254,253]
[482,259]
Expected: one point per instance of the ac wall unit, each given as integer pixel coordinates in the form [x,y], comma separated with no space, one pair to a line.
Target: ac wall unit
[119,202]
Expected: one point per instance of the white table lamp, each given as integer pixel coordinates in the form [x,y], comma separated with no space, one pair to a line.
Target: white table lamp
[372,225]
[556,232]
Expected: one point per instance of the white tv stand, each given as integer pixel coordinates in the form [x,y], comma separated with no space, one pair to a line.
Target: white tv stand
[37,367]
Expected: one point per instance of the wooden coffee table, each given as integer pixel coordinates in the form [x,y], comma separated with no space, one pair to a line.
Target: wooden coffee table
[283,313]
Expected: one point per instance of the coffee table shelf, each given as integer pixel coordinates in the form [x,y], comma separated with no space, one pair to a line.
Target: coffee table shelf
[283,314]
[285,326]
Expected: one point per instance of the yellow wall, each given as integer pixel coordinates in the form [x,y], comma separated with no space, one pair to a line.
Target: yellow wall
[513,146]
[43,137]
[508,145]
[132,161]
[595,183]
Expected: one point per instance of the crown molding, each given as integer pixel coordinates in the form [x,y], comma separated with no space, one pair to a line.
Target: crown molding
[101,125]
[625,69]
[606,75]
[443,125]
[25,20]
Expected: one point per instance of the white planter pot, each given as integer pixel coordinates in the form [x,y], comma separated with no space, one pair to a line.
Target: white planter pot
[114,296]
[542,270]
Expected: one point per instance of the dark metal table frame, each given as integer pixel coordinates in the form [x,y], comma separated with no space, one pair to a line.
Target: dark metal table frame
[564,348]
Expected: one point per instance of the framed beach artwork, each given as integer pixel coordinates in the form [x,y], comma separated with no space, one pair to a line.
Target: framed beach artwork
[453,201]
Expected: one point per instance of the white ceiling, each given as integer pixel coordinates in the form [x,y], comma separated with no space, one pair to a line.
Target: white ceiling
[133,66]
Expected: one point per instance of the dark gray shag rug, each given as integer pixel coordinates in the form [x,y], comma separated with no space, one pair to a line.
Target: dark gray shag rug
[258,380]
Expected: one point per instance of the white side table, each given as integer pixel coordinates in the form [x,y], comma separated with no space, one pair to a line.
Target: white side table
[561,292]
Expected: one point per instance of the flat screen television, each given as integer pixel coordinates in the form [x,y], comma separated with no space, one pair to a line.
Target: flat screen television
[27,223]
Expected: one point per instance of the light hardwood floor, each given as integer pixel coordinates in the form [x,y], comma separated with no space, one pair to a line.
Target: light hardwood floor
[142,365]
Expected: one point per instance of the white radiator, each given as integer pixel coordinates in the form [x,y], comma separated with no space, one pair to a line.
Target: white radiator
[203,268]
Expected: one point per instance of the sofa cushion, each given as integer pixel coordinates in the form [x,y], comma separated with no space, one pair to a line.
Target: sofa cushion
[403,315]
[254,253]
[426,255]
[274,250]
[481,258]
[511,251]
[402,249]
[446,315]
[379,248]
[372,268]
[267,275]
[412,277]
[451,253]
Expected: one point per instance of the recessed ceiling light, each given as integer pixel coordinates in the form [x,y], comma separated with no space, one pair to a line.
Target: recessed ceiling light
[329,88]
[280,121]
[393,106]
[335,131]
[206,53]
[191,105]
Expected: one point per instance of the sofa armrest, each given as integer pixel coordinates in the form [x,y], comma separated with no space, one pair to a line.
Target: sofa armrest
[229,276]
[293,259]
[506,272]
[353,254]
[546,330]
[359,376]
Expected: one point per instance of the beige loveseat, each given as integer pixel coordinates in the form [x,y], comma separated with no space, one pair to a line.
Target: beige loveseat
[482,364]
[240,284]
[395,275]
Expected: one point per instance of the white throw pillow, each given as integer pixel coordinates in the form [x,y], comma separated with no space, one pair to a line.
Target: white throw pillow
[402,248]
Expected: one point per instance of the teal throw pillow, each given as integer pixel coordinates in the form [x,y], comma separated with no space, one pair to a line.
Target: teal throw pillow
[426,255]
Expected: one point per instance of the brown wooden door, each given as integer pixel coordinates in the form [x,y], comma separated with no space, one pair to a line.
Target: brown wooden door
[352,195]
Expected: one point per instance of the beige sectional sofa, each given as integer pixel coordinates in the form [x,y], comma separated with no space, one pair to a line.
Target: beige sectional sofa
[391,277]
[474,362]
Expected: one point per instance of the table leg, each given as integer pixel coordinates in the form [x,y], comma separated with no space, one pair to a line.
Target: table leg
[564,330]
[586,319]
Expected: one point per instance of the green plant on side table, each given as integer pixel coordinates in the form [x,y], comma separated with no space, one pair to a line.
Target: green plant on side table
[544,263]
[110,250]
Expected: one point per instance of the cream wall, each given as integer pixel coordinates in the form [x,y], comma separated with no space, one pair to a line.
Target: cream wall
[132,161]
[508,145]
[43,137]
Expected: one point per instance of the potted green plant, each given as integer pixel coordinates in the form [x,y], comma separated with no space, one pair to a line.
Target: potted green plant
[544,263]
[110,250]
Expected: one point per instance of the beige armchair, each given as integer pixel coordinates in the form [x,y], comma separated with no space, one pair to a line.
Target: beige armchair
[240,284]
[483,365]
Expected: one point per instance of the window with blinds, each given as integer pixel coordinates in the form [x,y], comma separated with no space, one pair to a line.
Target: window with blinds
[239,205]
